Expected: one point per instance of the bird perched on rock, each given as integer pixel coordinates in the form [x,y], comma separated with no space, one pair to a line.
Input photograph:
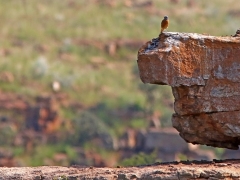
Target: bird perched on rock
[164,24]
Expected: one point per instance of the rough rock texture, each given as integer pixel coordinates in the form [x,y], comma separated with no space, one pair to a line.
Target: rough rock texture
[166,171]
[204,73]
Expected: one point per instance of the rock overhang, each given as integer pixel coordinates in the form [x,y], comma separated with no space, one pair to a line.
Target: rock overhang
[204,73]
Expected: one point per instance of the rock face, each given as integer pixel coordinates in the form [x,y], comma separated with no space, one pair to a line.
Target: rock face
[201,170]
[204,73]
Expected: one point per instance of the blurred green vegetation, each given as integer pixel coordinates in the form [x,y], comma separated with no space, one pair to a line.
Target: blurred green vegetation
[43,41]
[140,159]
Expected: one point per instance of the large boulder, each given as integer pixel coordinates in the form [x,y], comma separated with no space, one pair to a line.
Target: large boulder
[204,73]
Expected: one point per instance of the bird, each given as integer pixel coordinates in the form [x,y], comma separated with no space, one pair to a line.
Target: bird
[164,23]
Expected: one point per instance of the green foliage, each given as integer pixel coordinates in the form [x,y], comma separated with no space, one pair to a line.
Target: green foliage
[88,127]
[219,152]
[182,157]
[59,28]
[44,154]
[7,134]
[18,151]
[138,123]
[60,40]
[140,159]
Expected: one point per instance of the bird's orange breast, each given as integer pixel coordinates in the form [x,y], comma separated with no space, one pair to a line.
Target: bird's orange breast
[164,24]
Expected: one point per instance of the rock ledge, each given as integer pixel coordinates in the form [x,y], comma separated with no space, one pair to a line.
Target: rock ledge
[204,73]
[228,169]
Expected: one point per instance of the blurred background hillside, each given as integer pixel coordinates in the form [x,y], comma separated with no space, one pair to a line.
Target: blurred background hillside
[70,92]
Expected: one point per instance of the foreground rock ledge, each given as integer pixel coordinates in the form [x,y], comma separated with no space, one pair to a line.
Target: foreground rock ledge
[204,73]
[167,171]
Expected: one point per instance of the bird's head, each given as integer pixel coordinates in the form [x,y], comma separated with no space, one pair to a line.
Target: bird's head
[165,17]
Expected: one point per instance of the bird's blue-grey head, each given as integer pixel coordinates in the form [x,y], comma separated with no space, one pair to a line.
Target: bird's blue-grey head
[165,17]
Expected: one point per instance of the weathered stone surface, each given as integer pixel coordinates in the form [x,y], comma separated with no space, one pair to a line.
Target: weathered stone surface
[201,170]
[204,73]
